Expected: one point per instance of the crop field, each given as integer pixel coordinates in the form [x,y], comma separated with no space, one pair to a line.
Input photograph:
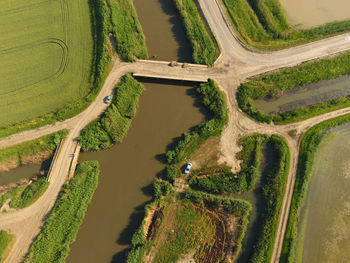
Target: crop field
[46,56]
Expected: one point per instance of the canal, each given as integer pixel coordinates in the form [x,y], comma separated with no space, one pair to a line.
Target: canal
[167,109]
[305,96]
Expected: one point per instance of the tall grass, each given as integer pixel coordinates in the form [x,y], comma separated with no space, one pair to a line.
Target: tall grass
[274,84]
[63,222]
[17,153]
[127,30]
[114,124]
[5,239]
[214,100]
[204,47]
[262,24]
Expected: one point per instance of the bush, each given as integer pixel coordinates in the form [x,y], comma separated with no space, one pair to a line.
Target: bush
[203,44]
[114,124]
[225,181]
[162,188]
[30,194]
[63,222]
[47,143]
[5,239]
[126,28]
[214,100]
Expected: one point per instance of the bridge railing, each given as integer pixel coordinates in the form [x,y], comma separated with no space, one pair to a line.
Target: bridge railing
[48,177]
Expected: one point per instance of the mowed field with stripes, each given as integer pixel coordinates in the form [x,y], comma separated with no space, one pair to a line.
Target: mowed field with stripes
[46,49]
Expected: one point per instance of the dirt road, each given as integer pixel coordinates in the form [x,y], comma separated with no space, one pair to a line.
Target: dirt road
[235,64]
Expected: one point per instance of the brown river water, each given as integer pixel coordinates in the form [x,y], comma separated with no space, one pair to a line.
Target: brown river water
[167,109]
[324,229]
[310,13]
[165,35]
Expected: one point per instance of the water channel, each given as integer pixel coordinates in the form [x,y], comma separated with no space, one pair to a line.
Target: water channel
[167,109]
[324,229]
[310,13]
[304,96]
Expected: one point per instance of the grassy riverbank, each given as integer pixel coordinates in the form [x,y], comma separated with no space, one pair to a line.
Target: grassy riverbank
[214,100]
[125,26]
[23,196]
[308,148]
[61,226]
[263,25]
[5,240]
[34,151]
[275,84]
[115,122]
[204,48]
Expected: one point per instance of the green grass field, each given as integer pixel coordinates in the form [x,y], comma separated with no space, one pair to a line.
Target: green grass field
[46,54]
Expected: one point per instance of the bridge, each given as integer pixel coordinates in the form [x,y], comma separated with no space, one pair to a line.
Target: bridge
[235,64]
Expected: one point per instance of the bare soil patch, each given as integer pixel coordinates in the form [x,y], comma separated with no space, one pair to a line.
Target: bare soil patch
[207,154]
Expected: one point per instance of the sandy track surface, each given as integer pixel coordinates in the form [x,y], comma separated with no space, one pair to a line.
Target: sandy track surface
[235,65]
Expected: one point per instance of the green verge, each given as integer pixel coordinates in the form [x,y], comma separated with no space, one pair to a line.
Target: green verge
[5,239]
[125,26]
[62,224]
[262,24]
[204,47]
[115,122]
[47,143]
[214,100]
[222,181]
[24,196]
[308,148]
[274,84]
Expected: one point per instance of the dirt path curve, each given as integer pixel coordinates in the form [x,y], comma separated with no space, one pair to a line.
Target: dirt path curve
[234,65]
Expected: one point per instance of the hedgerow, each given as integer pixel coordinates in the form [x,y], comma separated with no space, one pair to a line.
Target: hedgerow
[61,226]
[115,122]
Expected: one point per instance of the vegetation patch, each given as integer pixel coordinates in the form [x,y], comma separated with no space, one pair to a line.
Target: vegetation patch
[63,222]
[219,180]
[125,26]
[208,228]
[262,24]
[115,122]
[275,84]
[204,47]
[5,240]
[57,77]
[214,100]
[23,196]
[308,148]
[34,151]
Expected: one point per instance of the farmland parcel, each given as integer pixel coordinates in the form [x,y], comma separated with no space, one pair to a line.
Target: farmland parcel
[46,57]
